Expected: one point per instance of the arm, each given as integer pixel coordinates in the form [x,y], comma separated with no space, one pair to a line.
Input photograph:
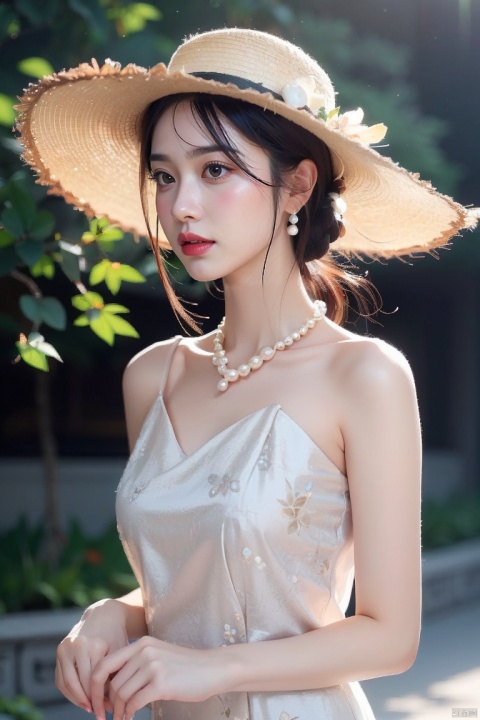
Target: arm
[379,421]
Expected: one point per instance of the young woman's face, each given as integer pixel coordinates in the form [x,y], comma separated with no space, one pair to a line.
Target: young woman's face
[217,219]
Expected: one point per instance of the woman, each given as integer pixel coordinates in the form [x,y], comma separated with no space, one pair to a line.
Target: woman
[270,454]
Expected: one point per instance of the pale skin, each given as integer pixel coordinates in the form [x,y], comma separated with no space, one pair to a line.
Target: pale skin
[371,432]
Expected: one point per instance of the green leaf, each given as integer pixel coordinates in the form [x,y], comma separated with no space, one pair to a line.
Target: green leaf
[22,203]
[32,356]
[130,274]
[44,267]
[8,260]
[6,239]
[134,17]
[42,226]
[100,223]
[113,308]
[103,329]
[87,300]
[12,222]
[110,234]
[88,237]
[7,113]
[30,251]
[30,307]
[112,278]
[49,592]
[121,326]
[53,313]
[97,273]
[148,12]
[333,112]
[70,264]
[93,314]
[82,321]
[37,341]
[36,67]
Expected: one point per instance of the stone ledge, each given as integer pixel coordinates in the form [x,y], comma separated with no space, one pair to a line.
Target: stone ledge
[451,576]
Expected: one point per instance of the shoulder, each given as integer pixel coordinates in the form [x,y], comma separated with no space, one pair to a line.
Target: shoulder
[375,383]
[149,364]
[370,362]
[143,379]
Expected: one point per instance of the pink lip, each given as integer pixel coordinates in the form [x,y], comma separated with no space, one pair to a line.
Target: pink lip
[193,244]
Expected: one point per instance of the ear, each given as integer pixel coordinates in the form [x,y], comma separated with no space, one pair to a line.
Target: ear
[300,185]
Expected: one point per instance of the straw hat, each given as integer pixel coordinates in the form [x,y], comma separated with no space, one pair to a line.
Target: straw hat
[80,132]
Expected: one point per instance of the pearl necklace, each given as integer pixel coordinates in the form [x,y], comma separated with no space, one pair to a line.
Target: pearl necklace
[220,360]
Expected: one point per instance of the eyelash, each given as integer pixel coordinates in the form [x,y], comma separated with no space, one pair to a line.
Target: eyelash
[156,174]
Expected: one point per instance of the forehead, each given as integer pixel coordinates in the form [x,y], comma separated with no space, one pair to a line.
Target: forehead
[179,128]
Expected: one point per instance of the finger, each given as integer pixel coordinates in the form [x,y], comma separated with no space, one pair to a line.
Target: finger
[139,700]
[122,693]
[68,683]
[84,672]
[101,674]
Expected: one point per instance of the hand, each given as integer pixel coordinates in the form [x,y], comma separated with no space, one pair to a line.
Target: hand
[149,670]
[100,631]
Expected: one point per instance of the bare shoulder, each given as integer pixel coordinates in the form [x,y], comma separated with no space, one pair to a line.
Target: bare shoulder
[142,381]
[371,362]
[373,380]
[149,363]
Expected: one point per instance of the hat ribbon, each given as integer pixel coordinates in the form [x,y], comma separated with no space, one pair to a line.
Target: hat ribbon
[240,82]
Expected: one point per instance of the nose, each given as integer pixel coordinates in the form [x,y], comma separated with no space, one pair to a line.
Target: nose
[187,203]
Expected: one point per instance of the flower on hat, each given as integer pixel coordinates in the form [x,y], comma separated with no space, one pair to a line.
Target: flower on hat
[350,124]
[302,93]
[339,206]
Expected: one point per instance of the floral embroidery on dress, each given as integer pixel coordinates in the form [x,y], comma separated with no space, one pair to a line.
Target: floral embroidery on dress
[264,460]
[294,509]
[259,564]
[138,489]
[321,563]
[229,634]
[222,486]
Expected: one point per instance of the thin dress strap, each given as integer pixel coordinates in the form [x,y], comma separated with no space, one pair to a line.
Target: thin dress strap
[175,341]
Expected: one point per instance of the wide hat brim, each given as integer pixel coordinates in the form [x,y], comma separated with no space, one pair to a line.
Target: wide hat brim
[80,131]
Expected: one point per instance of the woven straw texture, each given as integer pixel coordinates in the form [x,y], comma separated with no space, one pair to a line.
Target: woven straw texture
[80,132]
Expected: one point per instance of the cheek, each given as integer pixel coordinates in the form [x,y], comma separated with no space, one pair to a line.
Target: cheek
[245,199]
[162,204]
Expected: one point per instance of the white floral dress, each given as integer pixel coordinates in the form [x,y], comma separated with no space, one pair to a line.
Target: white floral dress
[249,538]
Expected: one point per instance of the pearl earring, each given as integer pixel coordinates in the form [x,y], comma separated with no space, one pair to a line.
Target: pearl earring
[293,229]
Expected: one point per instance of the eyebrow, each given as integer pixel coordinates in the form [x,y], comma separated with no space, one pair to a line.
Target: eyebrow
[195,152]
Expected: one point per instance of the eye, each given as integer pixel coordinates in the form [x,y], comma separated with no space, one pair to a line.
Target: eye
[161,177]
[215,170]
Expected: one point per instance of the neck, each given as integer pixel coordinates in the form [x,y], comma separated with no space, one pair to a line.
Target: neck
[257,315]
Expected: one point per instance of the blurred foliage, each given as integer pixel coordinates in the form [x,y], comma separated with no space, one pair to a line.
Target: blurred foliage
[444,522]
[85,570]
[18,708]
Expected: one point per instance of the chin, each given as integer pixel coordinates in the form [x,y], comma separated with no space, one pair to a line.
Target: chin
[202,275]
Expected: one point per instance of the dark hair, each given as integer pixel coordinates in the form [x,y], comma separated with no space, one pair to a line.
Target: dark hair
[286,144]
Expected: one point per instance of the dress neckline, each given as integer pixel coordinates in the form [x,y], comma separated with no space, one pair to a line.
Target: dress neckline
[266,408]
